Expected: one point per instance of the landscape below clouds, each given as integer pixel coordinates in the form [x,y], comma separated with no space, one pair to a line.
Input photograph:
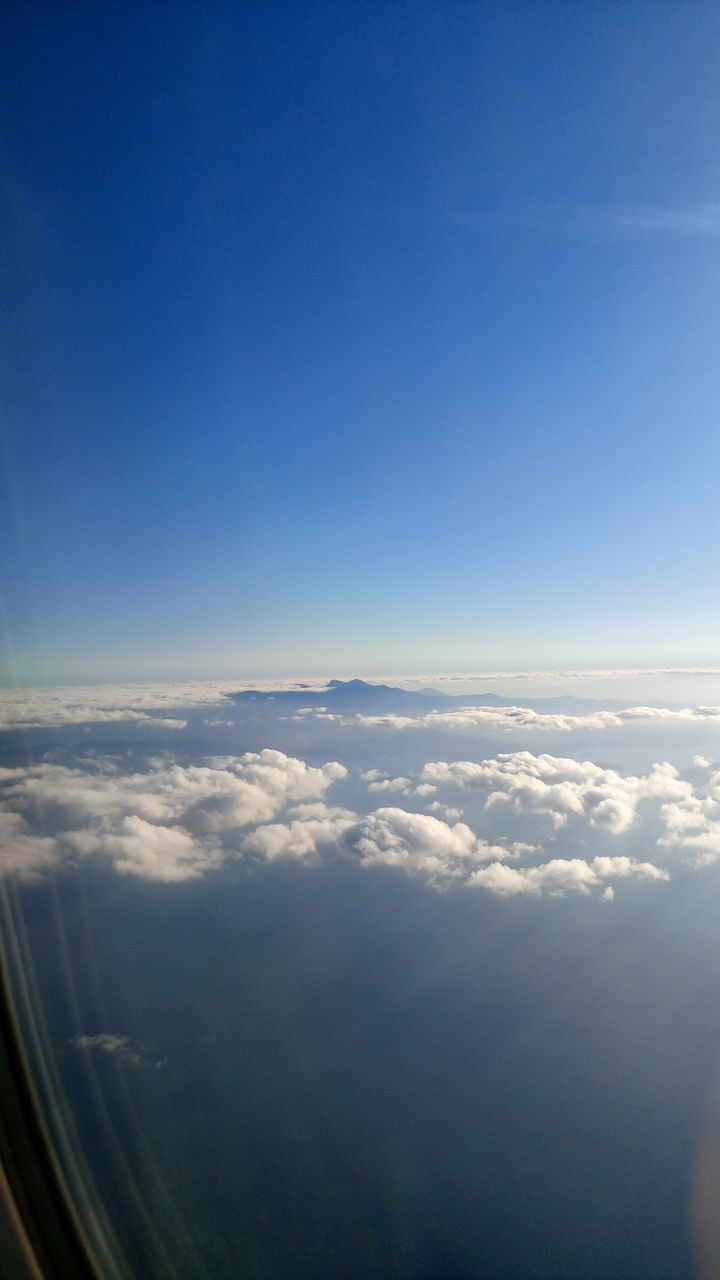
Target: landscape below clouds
[433,975]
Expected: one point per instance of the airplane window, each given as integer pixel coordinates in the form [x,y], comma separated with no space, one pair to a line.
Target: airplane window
[360,702]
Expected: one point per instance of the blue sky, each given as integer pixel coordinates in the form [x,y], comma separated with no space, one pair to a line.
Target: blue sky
[346,338]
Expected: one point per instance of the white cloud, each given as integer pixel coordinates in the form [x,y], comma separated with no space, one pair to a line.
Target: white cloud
[94,704]
[559,877]
[310,826]
[148,850]
[376,780]
[33,708]
[46,708]
[509,718]
[418,842]
[560,788]
[172,822]
[163,824]
[403,785]
[23,853]
[692,822]
[597,673]
[446,811]
[621,866]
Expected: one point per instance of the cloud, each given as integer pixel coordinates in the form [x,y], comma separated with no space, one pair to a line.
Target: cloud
[95,704]
[418,842]
[165,824]
[560,788]
[98,704]
[621,866]
[692,822]
[22,852]
[597,673]
[446,811]
[561,876]
[508,718]
[172,823]
[378,781]
[636,221]
[310,826]
[111,1044]
[425,789]
[699,220]
[144,704]
[145,849]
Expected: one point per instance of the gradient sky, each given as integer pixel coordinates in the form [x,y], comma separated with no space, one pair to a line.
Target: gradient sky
[356,337]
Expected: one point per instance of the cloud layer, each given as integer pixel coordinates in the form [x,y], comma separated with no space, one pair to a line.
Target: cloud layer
[507,718]
[173,822]
[147,704]
[95,704]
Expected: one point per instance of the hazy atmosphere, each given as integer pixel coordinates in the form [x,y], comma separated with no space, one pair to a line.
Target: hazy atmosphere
[359,685]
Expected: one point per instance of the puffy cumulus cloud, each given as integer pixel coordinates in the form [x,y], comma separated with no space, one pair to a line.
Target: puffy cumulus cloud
[418,842]
[561,876]
[148,850]
[162,824]
[171,822]
[560,788]
[692,822]
[375,780]
[621,866]
[251,788]
[508,718]
[446,811]
[227,792]
[309,827]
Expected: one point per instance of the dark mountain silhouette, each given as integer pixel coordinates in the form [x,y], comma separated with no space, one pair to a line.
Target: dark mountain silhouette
[362,695]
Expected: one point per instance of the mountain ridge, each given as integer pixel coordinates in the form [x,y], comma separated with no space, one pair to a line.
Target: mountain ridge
[383,697]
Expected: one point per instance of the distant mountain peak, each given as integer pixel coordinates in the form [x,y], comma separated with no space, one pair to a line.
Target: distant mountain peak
[357,686]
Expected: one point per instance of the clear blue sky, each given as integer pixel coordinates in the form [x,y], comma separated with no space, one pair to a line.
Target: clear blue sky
[359,337]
